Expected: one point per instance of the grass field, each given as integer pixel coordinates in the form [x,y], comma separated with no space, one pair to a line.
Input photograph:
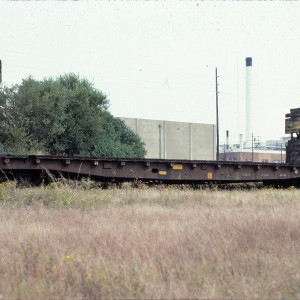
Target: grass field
[82,242]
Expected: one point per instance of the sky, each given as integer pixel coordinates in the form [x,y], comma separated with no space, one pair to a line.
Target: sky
[157,59]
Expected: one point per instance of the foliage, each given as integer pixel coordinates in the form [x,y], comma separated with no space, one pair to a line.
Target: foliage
[65,115]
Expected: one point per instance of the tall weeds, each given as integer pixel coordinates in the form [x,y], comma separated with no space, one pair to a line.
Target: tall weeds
[82,242]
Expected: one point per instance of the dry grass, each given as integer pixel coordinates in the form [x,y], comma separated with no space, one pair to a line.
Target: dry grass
[62,242]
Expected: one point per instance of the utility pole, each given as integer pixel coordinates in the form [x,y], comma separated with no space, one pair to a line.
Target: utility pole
[217,114]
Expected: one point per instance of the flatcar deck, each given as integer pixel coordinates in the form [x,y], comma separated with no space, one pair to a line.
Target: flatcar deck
[36,167]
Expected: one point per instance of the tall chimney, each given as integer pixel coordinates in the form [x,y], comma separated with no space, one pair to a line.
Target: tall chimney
[248,102]
[227,139]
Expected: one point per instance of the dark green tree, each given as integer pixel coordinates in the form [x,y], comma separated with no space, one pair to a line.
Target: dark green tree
[65,115]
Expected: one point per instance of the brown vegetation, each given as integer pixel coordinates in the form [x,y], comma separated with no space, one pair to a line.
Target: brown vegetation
[79,242]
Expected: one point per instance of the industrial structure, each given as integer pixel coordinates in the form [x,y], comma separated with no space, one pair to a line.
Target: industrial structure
[175,140]
[195,141]
[250,148]
[255,154]
[249,130]
[292,127]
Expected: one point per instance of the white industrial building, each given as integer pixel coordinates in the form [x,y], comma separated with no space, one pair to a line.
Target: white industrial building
[175,140]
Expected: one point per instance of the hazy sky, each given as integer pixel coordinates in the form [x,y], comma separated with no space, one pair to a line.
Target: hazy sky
[157,59]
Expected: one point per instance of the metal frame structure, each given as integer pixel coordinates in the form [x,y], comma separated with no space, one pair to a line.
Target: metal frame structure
[36,169]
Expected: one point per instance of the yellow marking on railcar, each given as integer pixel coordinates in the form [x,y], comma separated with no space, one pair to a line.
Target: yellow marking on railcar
[209,175]
[177,167]
[162,172]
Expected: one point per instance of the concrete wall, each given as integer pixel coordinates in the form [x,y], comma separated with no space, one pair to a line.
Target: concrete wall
[175,140]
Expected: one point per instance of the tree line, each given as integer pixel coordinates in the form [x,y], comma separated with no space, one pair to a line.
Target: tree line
[66,115]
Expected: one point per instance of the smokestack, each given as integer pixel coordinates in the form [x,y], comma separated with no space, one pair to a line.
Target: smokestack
[227,139]
[248,102]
